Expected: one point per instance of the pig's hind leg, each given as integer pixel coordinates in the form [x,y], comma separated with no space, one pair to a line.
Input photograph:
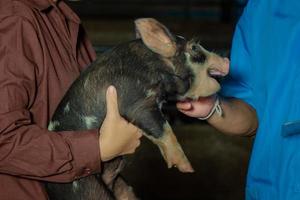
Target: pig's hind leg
[112,178]
[88,188]
[156,128]
[122,190]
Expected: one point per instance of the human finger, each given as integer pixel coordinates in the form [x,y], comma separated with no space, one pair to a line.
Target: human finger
[112,109]
[184,105]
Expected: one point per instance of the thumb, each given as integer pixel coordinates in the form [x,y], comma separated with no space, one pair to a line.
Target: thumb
[112,109]
[184,105]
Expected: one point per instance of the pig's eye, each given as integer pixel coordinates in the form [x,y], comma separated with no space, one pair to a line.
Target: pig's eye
[197,53]
[199,58]
[195,48]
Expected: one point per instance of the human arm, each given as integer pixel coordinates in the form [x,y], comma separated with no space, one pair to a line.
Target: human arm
[27,148]
[32,152]
[238,118]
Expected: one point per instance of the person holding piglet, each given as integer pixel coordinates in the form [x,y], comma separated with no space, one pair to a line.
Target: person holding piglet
[43,49]
[262,88]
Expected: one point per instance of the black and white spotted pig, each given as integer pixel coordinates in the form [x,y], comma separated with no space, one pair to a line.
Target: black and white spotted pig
[154,68]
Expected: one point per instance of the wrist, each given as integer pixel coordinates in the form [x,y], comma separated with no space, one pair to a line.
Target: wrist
[215,109]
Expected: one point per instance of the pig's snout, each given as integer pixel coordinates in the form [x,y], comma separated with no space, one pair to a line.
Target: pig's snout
[208,76]
[226,65]
[219,67]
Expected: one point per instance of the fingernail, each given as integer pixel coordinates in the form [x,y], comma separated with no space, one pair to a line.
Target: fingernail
[111,89]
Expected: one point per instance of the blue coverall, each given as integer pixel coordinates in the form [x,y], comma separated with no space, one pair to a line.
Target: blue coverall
[265,73]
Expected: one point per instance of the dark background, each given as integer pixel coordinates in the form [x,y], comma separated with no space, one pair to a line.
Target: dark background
[220,161]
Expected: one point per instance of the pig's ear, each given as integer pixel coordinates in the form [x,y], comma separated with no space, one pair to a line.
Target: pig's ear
[155,36]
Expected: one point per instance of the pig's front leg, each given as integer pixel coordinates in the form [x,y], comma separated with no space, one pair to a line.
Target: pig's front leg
[171,149]
[150,119]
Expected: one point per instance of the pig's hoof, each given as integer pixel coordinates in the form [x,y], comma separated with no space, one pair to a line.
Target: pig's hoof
[185,168]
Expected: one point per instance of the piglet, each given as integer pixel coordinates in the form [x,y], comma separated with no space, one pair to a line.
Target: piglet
[148,71]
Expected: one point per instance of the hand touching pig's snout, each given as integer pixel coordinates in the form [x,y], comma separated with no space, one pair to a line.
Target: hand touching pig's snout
[117,136]
[202,107]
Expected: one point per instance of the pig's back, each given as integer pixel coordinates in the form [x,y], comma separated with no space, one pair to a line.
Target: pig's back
[130,67]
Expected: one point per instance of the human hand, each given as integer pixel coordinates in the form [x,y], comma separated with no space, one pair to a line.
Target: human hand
[117,136]
[197,108]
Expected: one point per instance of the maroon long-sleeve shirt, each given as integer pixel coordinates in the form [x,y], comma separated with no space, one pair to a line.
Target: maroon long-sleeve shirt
[43,48]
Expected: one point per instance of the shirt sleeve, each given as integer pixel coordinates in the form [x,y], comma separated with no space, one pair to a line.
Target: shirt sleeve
[27,150]
[238,83]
